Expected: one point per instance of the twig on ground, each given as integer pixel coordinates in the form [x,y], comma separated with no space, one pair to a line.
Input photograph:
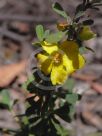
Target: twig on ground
[12,35]
[27,18]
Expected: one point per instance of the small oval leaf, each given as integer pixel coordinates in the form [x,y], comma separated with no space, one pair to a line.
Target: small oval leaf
[58,8]
[56,37]
[88,22]
[71,98]
[40,32]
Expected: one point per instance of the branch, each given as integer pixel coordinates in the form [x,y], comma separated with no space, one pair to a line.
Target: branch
[27,18]
[12,35]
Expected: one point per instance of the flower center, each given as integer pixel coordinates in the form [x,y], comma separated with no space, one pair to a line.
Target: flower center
[57,58]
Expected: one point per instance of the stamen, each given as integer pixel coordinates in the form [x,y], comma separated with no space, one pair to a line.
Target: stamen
[57,58]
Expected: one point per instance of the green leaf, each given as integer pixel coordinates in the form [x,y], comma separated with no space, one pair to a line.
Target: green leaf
[25,120]
[90,49]
[58,8]
[36,43]
[46,33]
[88,22]
[60,130]
[71,98]
[40,32]
[80,9]
[63,112]
[5,98]
[69,84]
[79,14]
[56,37]
[71,111]
[29,80]
[82,50]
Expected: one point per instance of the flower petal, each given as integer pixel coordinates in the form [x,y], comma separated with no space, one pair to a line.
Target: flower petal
[73,59]
[46,66]
[76,62]
[67,63]
[58,75]
[69,47]
[41,57]
[81,61]
[49,48]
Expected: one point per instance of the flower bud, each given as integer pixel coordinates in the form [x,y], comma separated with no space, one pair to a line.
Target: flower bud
[86,33]
[62,26]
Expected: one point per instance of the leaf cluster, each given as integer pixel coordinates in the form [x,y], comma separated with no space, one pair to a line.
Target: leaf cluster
[44,108]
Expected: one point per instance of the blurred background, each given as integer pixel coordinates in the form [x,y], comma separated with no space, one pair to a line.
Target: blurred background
[18,19]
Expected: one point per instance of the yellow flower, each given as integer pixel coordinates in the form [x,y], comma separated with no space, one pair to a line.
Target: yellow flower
[86,33]
[60,60]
